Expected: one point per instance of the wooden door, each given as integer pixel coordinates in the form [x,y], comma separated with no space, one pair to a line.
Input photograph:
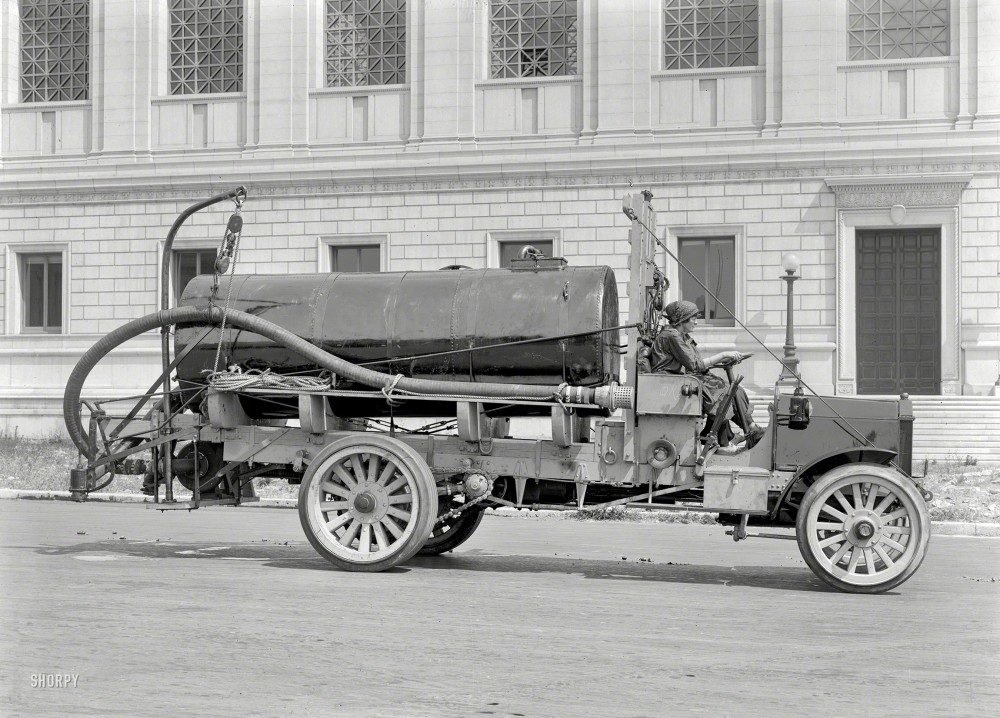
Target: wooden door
[899,311]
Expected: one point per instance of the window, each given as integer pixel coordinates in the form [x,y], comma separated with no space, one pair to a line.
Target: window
[365,42]
[891,29]
[504,245]
[353,253]
[512,250]
[55,50]
[355,258]
[531,38]
[709,33]
[41,279]
[206,46]
[188,264]
[713,261]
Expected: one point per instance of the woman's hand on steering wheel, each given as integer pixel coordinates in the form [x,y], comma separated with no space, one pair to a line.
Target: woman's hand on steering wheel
[732,358]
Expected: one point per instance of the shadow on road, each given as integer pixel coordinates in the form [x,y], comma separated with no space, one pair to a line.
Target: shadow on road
[774,577]
[302,556]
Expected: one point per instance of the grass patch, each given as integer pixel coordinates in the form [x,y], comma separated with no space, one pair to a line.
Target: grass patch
[44,465]
[35,463]
[621,513]
[963,488]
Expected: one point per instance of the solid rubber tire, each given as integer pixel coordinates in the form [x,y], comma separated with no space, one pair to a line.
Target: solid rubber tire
[458,534]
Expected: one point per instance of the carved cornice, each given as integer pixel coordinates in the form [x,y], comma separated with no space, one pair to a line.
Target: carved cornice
[908,63]
[709,72]
[886,184]
[912,191]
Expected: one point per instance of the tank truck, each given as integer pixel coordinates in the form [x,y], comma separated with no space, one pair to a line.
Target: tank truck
[388,399]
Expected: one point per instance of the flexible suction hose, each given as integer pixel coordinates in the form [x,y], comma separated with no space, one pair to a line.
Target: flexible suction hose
[609,397]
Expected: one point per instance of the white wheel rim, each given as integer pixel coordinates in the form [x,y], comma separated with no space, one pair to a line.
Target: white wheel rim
[363,503]
[839,522]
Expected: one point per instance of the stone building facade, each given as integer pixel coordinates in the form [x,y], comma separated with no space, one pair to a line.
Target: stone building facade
[401,135]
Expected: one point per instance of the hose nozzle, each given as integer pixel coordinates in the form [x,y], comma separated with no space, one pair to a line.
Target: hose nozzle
[614,396]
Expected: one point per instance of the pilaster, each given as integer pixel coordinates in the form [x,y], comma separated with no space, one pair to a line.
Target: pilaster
[281,98]
[447,87]
[811,34]
[772,37]
[121,77]
[988,61]
[968,63]
[629,41]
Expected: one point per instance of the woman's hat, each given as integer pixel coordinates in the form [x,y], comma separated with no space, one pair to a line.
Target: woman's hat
[680,311]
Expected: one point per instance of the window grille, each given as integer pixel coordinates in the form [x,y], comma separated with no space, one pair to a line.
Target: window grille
[55,50]
[41,292]
[355,258]
[365,42]
[891,29]
[710,33]
[206,46]
[713,261]
[532,39]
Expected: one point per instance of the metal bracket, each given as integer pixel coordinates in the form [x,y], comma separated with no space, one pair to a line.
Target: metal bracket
[581,492]
[312,413]
[519,485]
[565,426]
[707,450]
[225,411]
[740,531]
[472,421]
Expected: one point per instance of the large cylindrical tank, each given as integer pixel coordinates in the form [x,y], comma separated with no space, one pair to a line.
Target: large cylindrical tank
[369,318]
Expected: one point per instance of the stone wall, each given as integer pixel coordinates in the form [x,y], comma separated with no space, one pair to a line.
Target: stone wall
[438,170]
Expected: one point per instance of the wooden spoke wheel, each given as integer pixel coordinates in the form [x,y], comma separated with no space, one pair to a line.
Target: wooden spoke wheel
[367,503]
[863,528]
[453,532]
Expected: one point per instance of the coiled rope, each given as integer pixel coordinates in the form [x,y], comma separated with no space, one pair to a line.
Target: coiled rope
[235,379]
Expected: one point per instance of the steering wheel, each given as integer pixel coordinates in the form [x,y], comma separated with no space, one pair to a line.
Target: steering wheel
[729,362]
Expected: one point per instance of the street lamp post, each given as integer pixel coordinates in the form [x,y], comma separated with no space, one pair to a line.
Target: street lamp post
[789,372]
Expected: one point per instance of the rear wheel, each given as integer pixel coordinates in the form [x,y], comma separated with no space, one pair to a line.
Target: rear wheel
[367,503]
[863,528]
[210,461]
[452,533]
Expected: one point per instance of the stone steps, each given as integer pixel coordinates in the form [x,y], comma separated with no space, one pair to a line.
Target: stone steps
[957,427]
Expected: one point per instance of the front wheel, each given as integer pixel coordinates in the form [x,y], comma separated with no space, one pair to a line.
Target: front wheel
[367,503]
[863,528]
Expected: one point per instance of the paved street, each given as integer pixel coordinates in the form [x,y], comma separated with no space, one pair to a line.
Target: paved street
[230,612]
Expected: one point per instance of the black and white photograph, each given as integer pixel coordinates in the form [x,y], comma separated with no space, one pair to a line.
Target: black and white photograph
[541,358]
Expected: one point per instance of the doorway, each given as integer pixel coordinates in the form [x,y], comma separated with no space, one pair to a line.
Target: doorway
[898,295]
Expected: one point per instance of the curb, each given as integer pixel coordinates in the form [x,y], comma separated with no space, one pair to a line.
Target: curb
[124,498]
[960,528]
[941,528]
